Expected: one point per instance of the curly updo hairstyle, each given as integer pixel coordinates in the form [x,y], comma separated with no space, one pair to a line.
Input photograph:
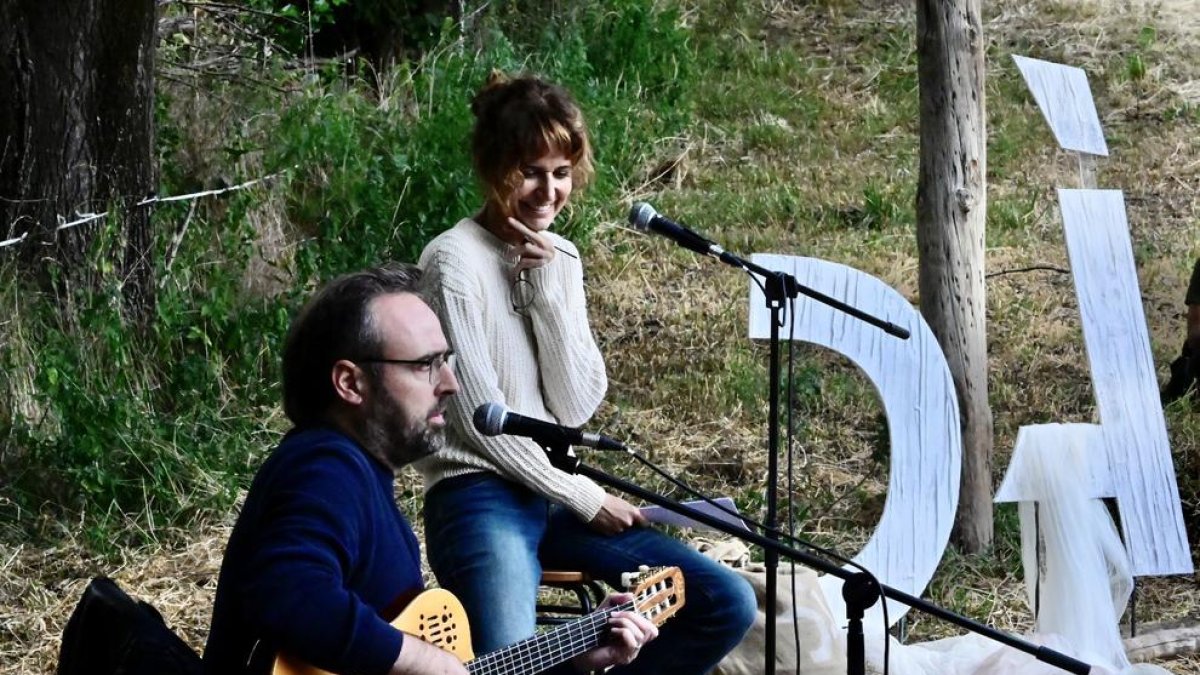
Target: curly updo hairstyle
[517,121]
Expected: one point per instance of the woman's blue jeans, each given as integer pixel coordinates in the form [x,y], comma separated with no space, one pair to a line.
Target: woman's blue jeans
[488,539]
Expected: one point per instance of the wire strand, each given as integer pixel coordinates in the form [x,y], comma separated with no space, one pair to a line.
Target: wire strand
[83,218]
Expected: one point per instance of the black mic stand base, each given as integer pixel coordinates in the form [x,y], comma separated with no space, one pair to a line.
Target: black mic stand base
[860,592]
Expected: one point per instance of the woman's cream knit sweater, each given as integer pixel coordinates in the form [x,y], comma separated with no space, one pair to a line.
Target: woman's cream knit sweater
[544,365]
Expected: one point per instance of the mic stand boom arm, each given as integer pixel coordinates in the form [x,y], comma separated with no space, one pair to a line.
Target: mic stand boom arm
[780,285]
[858,589]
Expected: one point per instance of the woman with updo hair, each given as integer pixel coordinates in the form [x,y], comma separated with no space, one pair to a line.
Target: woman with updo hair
[511,298]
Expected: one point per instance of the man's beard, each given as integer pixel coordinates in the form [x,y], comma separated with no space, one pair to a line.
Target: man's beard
[387,435]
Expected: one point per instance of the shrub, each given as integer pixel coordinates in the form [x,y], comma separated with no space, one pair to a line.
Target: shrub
[126,432]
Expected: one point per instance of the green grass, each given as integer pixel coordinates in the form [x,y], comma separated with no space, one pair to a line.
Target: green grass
[806,142]
[792,128]
[795,129]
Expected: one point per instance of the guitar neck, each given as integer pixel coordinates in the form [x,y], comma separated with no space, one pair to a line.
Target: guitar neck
[547,649]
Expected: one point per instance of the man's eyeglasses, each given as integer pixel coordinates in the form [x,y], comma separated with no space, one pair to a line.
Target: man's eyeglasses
[430,364]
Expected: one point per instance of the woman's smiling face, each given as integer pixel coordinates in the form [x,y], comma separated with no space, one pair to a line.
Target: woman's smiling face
[544,189]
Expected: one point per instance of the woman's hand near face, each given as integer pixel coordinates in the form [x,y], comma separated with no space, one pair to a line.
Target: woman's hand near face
[535,251]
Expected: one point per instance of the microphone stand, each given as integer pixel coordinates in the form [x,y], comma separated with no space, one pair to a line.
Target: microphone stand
[858,588]
[778,287]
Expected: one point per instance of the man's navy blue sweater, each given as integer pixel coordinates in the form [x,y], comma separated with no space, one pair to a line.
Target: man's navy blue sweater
[319,556]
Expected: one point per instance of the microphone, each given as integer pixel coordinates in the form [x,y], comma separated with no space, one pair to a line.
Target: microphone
[644,218]
[493,419]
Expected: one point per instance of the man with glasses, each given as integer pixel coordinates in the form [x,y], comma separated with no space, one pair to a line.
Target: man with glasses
[321,558]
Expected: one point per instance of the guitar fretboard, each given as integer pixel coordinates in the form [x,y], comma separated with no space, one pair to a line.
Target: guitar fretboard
[549,648]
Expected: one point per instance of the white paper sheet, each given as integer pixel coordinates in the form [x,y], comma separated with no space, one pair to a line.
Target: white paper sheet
[657,514]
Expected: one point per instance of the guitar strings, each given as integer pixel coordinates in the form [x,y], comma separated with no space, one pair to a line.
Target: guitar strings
[549,648]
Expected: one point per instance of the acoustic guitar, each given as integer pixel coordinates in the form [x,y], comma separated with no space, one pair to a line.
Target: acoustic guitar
[437,617]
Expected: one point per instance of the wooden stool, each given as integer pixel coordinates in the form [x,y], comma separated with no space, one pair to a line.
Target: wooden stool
[588,594]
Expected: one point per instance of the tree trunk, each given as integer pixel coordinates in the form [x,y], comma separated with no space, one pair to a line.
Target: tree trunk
[951,209]
[77,135]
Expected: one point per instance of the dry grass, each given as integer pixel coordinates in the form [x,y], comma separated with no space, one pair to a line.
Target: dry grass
[40,587]
[688,388]
[667,313]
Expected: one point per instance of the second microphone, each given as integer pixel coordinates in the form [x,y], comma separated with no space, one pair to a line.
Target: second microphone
[493,419]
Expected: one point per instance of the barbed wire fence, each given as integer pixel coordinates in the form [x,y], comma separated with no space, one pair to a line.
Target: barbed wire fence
[83,218]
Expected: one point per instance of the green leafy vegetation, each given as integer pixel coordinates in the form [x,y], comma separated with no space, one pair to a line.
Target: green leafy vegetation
[126,432]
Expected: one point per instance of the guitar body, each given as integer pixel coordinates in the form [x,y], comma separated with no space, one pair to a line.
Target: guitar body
[437,617]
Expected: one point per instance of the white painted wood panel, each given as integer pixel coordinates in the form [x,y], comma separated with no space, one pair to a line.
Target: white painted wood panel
[917,394]
[1065,99]
[1126,386]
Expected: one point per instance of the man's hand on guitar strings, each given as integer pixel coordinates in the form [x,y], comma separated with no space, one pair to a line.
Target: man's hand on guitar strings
[628,633]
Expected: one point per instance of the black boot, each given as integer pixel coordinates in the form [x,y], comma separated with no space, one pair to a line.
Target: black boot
[1184,372]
